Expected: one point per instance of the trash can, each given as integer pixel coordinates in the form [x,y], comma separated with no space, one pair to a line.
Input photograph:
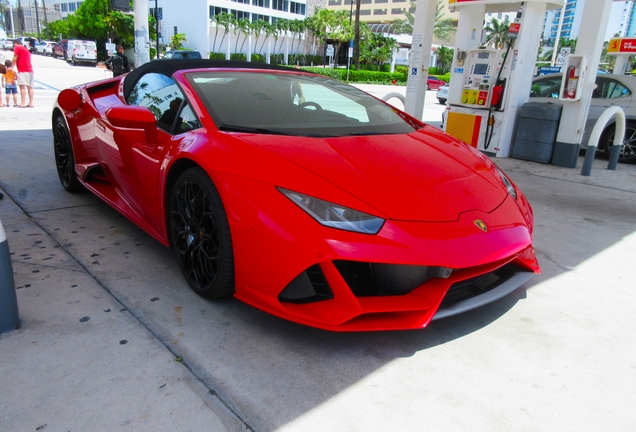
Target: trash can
[536,133]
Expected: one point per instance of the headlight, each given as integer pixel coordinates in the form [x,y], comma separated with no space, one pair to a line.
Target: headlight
[334,215]
[509,186]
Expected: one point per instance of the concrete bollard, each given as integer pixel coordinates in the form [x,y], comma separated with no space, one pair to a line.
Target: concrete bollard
[9,316]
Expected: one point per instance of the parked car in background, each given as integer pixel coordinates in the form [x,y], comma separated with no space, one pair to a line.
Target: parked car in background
[81,51]
[60,49]
[442,94]
[45,47]
[433,83]
[76,51]
[29,43]
[611,90]
[7,44]
[181,55]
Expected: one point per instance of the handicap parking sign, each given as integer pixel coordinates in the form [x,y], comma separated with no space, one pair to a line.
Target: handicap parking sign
[413,71]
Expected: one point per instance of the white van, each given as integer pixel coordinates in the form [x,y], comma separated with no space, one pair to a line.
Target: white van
[81,51]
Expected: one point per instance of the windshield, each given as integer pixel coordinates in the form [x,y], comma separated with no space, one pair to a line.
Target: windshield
[293,104]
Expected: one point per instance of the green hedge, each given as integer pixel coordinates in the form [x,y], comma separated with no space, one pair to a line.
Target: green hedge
[257,58]
[238,57]
[355,76]
[361,76]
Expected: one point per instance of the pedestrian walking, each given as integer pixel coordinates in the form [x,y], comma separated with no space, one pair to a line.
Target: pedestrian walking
[118,62]
[22,60]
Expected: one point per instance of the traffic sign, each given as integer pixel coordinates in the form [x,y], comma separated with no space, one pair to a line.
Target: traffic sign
[544,70]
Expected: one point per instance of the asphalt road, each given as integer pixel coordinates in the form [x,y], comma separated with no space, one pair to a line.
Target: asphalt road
[113,338]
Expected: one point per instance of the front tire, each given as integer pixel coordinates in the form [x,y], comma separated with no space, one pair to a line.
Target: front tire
[64,159]
[200,235]
[628,152]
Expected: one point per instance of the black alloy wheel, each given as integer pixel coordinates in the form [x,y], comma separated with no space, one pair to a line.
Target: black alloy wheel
[64,159]
[200,235]
[628,151]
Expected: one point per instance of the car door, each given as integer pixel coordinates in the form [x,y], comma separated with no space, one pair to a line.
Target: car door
[137,164]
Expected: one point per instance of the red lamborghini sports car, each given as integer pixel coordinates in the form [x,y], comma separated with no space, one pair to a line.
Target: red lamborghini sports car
[297,194]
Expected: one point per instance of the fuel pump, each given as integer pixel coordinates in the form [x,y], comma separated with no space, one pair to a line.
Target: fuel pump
[472,117]
[489,125]
[479,82]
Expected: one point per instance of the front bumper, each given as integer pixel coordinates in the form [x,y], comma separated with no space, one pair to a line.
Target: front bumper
[278,246]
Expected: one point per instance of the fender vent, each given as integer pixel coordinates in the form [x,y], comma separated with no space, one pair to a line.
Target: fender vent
[96,174]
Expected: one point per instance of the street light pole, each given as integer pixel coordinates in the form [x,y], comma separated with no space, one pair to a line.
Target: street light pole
[11,15]
[157,26]
[37,20]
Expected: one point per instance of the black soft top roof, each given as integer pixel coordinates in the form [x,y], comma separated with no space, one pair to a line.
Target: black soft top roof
[169,67]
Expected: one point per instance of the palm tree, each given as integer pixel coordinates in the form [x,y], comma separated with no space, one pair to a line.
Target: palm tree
[317,25]
[444,57]
[298,29]
[176,41]
[225,20]
[282,26]
[241,25]
[270,31]
[257,29]
[497,33]
[220,20]
[340,30]
[442,29]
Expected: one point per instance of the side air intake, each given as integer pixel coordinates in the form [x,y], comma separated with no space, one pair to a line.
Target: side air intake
[309,286]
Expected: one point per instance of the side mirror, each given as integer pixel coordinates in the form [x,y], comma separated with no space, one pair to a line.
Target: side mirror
[134,117]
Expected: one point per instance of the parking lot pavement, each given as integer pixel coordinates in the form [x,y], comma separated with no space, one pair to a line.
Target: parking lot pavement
[113,339]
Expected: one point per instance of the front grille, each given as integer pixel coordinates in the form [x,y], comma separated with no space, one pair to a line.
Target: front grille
[372,279]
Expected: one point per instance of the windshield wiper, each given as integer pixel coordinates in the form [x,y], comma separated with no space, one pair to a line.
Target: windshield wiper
[236,128]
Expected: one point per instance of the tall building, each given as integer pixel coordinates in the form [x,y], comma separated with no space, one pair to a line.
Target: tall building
[622,20]
[67,8]
[565,22]
[27,19]
[384,11]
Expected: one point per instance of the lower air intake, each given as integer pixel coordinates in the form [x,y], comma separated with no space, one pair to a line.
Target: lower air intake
[372,279]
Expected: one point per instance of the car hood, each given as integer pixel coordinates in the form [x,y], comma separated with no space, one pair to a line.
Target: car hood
[423,176]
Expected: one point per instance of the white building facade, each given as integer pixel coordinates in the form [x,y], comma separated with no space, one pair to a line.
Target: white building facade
[196,20]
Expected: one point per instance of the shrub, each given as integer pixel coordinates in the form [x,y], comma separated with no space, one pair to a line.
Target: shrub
[238,57]
[258,58]
[361,76]
[217,56]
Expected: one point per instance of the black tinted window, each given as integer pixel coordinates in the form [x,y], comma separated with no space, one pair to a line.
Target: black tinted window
[161,95]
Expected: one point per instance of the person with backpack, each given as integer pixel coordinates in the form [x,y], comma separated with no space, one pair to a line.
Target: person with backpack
[118,62]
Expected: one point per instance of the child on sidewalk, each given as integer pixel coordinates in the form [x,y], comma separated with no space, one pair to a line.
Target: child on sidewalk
[10,83]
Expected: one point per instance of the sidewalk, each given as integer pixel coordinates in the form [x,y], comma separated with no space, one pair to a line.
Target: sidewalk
[81,361]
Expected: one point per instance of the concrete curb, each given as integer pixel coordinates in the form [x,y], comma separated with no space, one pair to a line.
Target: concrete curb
[9,316]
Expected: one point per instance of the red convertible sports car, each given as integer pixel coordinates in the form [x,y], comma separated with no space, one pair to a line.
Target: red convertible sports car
[297,194]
